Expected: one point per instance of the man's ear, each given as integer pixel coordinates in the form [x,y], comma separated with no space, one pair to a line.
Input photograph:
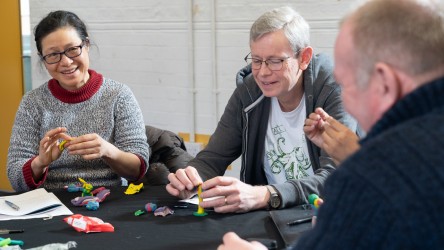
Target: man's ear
[388,86]
[306,55]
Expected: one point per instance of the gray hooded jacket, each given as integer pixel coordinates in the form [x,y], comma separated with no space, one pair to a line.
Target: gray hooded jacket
[242,128]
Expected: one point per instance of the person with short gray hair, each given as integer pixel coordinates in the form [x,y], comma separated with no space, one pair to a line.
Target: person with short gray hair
[263,123]
[294,26]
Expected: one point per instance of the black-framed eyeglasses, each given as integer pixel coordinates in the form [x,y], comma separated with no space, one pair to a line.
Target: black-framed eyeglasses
[71,52]
[273,64]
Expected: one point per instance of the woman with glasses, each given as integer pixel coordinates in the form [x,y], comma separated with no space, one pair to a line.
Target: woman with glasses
[79,123]
[263,124]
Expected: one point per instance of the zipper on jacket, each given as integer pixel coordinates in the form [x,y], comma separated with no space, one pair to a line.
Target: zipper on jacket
[245,132]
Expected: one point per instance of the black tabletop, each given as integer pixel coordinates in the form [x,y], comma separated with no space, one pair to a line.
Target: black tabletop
[181,230]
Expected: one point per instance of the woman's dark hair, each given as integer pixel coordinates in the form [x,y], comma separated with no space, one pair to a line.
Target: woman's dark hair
[56,20]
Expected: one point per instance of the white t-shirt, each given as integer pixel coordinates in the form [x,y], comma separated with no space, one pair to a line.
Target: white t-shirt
[286,152]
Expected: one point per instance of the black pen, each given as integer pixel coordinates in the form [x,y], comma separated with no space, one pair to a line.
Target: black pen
[12,205]
[8,231]
[299,221]
[180,206]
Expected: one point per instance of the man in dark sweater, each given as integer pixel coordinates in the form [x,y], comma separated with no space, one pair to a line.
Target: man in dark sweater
[389,194]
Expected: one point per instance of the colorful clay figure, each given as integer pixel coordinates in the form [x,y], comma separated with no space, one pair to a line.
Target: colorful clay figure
[62,145]
[74,188]
[315,201]
[163,211]
[88,224]
[139,212]
[87,188]
[12,242]
[5,242]
[83,201]
[134,189]
[200,210]
[149,207]
[92,205]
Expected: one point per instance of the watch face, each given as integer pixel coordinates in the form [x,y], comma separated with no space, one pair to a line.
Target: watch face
[275,202]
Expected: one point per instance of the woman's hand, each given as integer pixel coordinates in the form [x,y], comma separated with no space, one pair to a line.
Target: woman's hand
[48,151]
[90,146]
[48,147]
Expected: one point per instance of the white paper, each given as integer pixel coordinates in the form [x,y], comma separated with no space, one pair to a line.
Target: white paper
[195,200]
[37,203]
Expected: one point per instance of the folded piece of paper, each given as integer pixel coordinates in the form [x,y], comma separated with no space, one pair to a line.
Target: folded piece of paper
[37,203]
[194,200]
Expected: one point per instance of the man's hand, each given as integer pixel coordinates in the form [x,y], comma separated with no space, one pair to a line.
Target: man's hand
[232,241]
[232,195]
[183,182]
[330,135]
[314,126]
[339,141]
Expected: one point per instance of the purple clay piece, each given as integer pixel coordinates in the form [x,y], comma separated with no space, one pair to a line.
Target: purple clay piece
[163,211]
[102,194]
[82,201]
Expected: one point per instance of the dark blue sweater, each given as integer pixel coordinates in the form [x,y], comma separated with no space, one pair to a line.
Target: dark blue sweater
[390,194]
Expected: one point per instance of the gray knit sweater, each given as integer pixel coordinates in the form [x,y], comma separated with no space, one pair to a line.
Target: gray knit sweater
[105,107]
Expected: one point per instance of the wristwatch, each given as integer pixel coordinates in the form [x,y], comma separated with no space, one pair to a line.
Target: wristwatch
[275,199]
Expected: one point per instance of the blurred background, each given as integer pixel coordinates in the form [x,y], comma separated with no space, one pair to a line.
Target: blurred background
[179,57]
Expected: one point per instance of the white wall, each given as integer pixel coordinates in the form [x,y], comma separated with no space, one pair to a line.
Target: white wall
[146,45]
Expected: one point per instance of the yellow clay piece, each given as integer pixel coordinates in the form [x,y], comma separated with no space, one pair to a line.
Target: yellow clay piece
[62,145]
[133,189]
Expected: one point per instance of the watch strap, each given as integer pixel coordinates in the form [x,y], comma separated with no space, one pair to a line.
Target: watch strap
[272,190]
[273,195]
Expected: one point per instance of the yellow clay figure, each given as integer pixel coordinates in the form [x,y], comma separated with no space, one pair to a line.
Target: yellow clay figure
[87,188]
[133,189]
[200,210]
[62,145]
